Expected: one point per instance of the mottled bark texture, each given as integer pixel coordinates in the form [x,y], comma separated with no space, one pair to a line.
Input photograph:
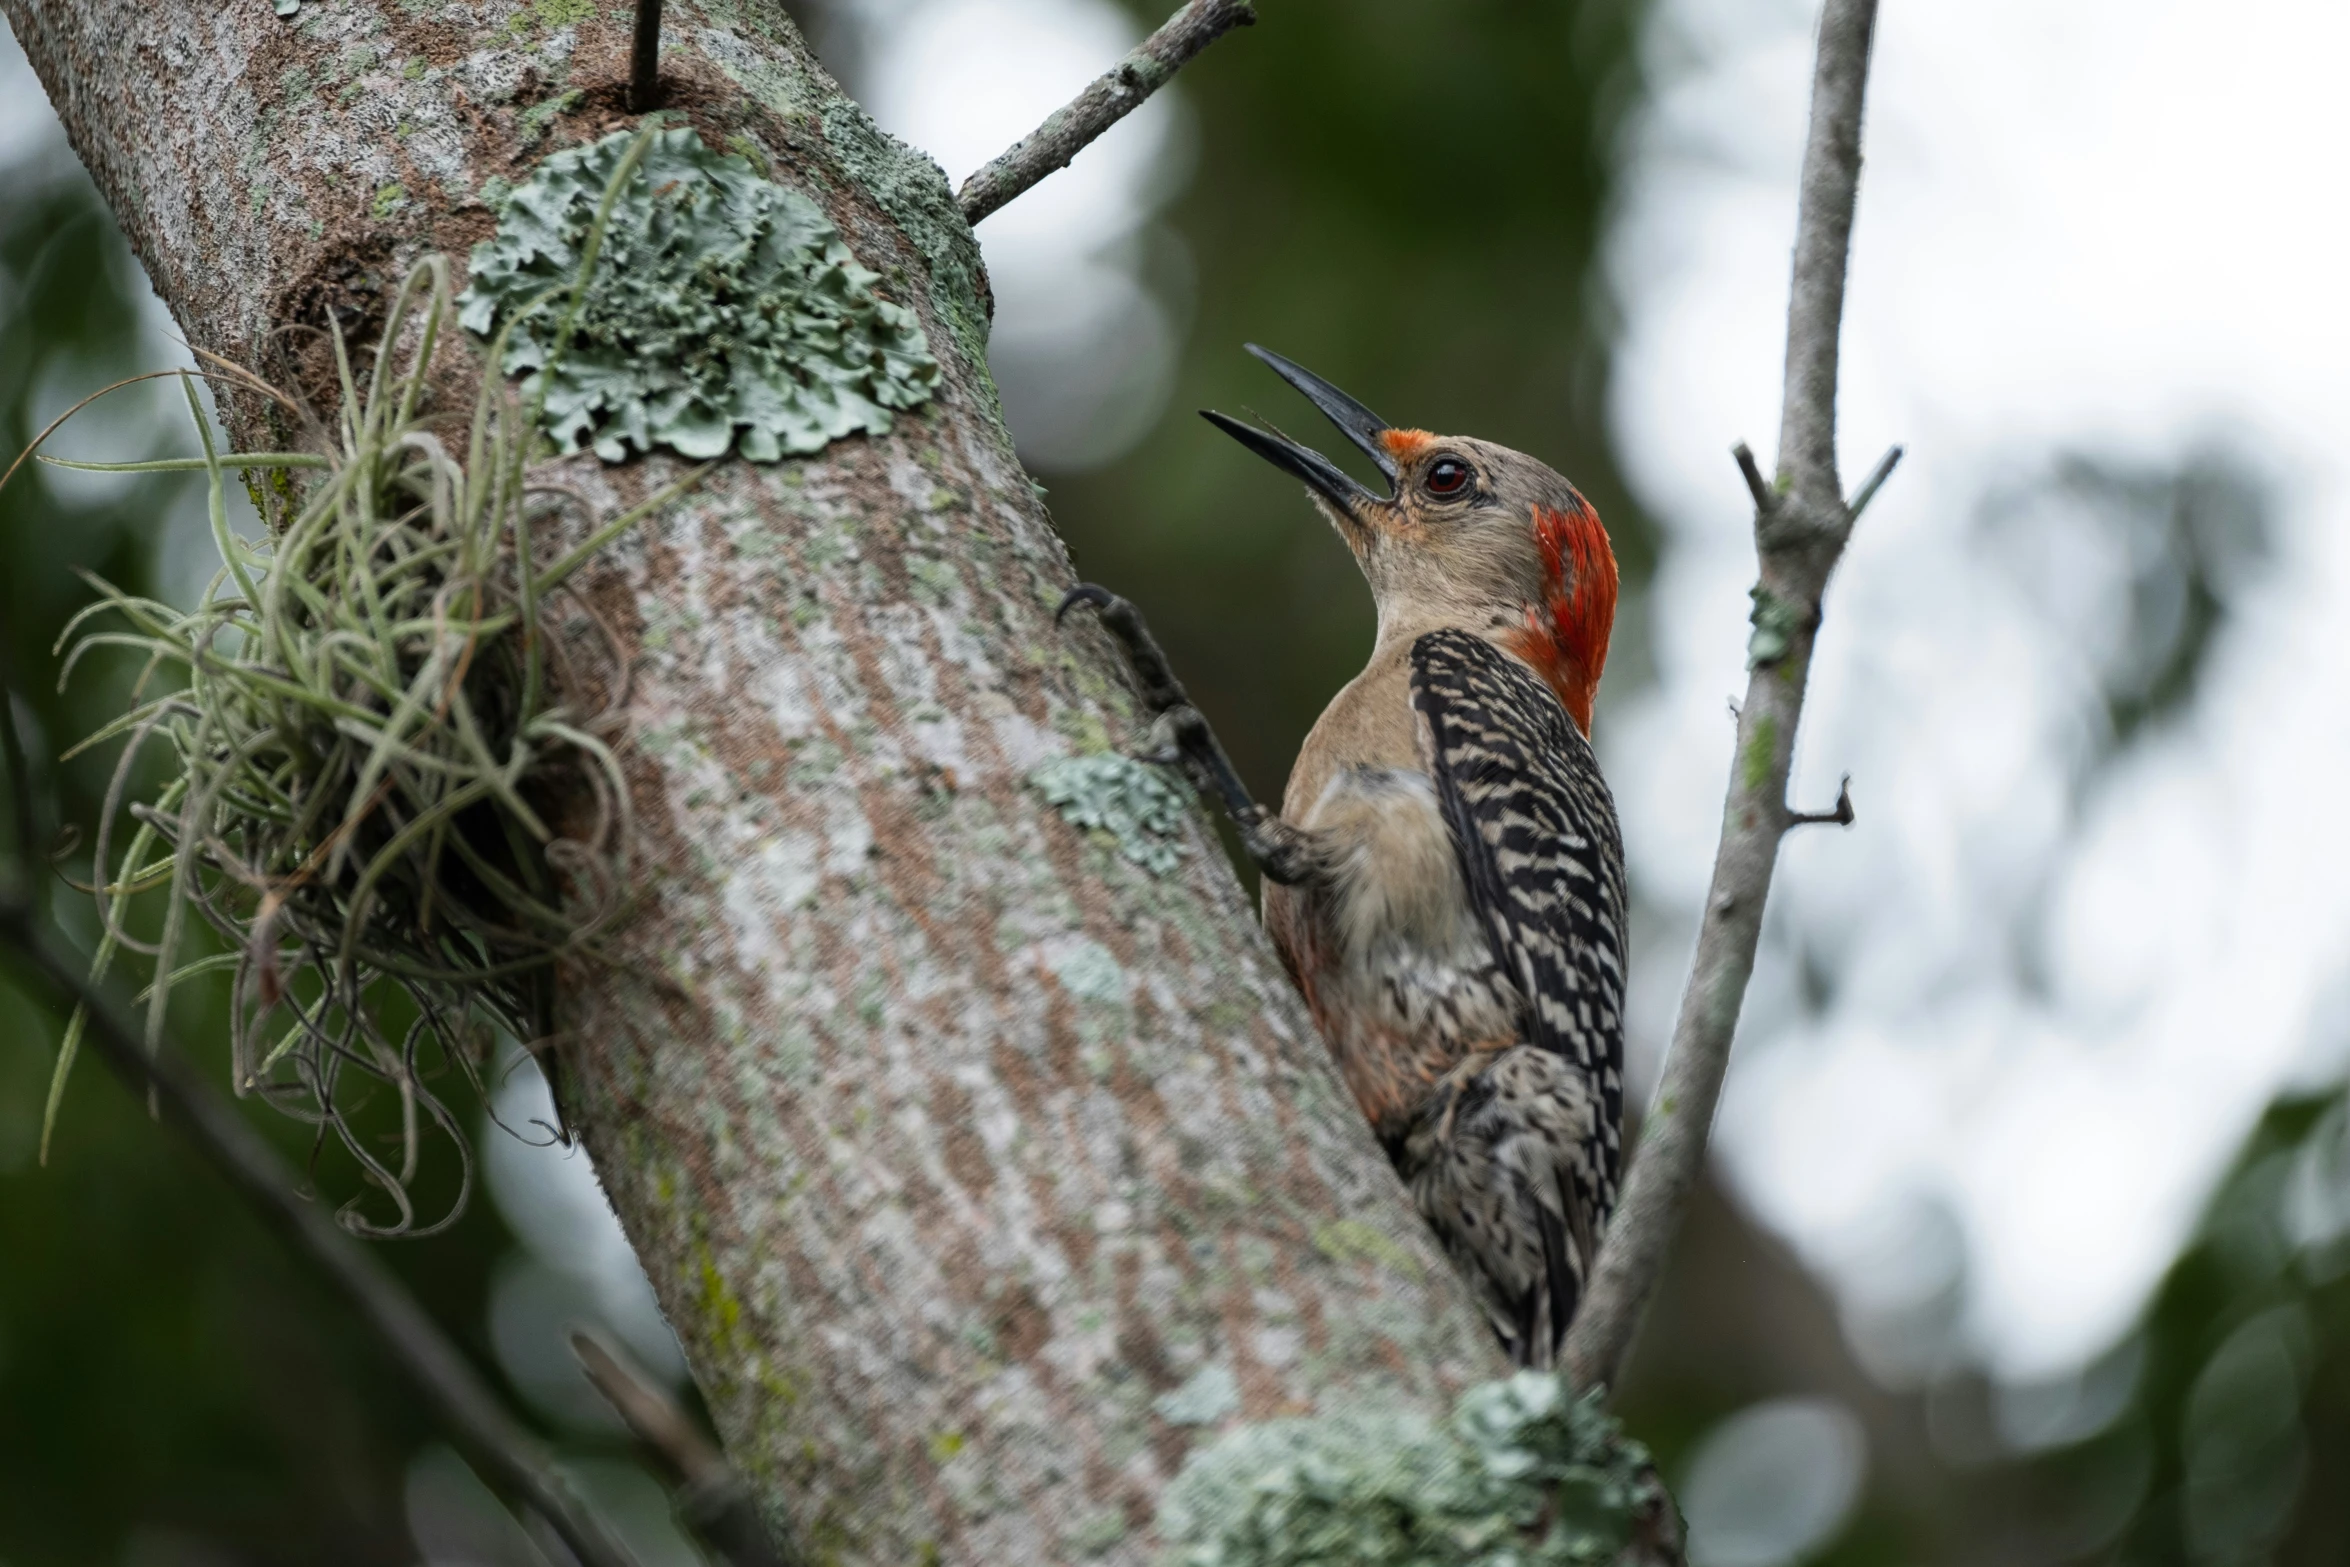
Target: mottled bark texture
[950,1138]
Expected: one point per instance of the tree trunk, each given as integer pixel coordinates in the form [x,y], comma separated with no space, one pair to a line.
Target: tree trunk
[951,1138]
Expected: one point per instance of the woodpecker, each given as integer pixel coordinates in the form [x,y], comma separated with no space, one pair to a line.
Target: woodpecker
[1445,879]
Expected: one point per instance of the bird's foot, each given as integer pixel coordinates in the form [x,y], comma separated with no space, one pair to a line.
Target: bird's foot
[1161,691]
[1281,851]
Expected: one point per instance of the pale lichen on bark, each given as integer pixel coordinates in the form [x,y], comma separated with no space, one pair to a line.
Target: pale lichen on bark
[951,1139]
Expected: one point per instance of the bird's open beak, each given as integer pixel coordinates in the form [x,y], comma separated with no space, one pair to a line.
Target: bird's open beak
[1357,423]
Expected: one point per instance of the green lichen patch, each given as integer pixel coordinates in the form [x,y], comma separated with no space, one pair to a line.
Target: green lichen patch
[725,312]
[1349,1240]
[1522,1475]
[535,120]
[1087,971]
[1775,623]
[913,190]
[1761,751]
[1202,1401]
[1131,801]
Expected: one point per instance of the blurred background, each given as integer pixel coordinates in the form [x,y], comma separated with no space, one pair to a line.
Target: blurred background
[2029,1233]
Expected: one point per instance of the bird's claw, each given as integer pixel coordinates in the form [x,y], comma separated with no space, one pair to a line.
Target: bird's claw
[1160,690]
[1085,593]
[1190,744]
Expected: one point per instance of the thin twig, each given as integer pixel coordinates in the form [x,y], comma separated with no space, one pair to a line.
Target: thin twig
[1111,97]
[1756,485]
[1838,815]
[1801,526]
[1875,481]
[711,1498]
[472,1414]
[644,60]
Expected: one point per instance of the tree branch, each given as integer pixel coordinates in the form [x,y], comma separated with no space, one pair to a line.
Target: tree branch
[1800,530]
[711,1498]
[1823,243]
[472,1414]
[1111,97]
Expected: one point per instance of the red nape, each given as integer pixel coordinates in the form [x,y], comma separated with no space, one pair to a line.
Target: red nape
[1565,637]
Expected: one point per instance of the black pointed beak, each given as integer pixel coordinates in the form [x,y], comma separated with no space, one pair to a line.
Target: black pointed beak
[1357,423]
[1333,483]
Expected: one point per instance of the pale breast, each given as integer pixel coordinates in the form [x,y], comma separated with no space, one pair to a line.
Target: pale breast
[1395,880]
[1401,974]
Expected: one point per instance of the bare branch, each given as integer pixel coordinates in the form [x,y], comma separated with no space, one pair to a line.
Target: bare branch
[711,1498]
[1111,97]
[1823,243]
[475,1419]
[1800,530]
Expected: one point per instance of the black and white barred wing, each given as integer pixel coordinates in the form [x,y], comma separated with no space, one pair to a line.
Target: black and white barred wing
[1541,853]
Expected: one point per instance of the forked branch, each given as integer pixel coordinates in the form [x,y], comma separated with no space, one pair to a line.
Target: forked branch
[1801,524]
[1111,97]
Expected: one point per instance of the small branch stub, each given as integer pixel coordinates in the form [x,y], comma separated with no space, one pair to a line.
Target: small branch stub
[1874,482]
[1837,815]
[1765,499]
[1110,97]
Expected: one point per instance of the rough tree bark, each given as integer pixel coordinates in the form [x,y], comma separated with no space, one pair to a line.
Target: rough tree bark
[949,1138]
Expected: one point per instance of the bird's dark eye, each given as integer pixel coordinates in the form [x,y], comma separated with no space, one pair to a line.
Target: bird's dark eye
[1446,476]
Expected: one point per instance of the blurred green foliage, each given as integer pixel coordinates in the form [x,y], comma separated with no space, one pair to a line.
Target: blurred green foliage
[2232,1442]
[167,1375]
